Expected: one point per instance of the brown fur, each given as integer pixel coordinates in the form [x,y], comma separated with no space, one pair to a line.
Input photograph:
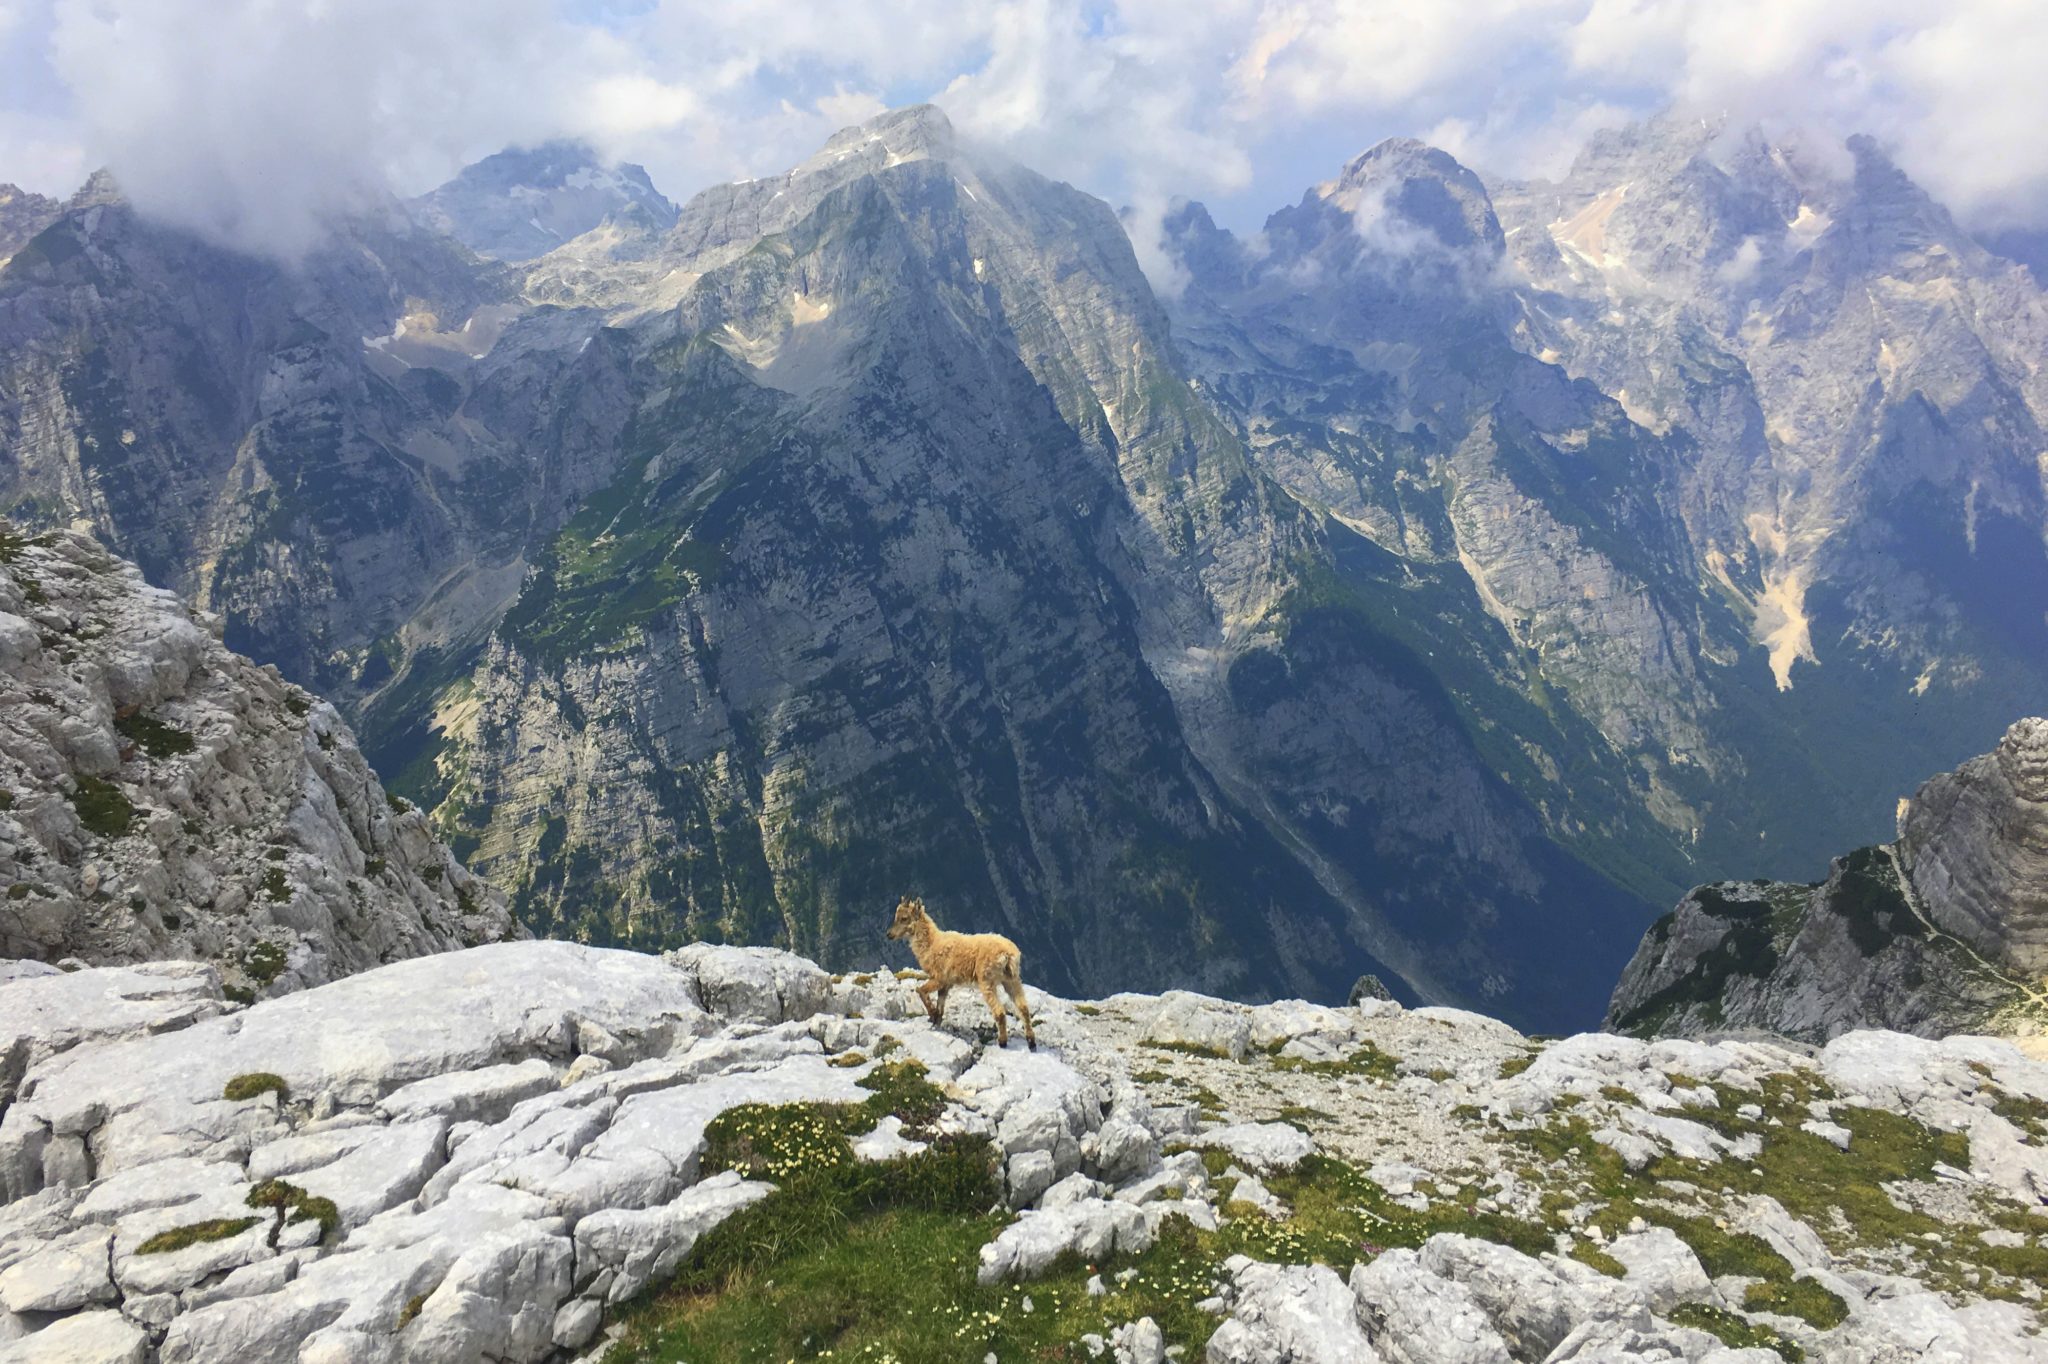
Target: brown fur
[989,961]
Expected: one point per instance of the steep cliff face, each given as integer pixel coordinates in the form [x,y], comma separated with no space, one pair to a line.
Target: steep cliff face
[1656,435]
[1861,383]
[1975,843]
[283,445]
[1940,932]
[925,568]
[1366,345]
[162,797]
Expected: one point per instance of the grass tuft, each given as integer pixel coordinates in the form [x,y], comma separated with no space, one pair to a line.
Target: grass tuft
[246,1087]
[195,1234]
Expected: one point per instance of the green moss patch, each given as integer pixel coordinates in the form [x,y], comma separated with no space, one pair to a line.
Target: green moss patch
[195,1234]
[1735,1332]
[1368,1062]
[102,807]
[245,1087]
[153,736]
[264,962]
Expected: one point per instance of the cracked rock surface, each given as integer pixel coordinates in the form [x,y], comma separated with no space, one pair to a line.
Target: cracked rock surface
[511,1141]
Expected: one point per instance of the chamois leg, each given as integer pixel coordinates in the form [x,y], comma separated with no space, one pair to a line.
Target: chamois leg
[995,1006]
[925,992]
[1015,986]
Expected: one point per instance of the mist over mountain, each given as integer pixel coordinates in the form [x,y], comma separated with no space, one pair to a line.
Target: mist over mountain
[1436,585]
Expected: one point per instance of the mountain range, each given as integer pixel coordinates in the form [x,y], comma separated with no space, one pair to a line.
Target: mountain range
[1434,585]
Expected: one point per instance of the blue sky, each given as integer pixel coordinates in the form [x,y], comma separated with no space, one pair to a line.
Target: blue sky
[256,119]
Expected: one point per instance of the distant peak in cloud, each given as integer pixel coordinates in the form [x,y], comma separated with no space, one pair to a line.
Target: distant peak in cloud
[259,123]
[526,201]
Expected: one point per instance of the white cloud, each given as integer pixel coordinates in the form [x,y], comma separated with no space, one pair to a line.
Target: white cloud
[257,119]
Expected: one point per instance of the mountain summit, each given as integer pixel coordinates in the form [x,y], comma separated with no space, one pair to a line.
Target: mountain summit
[524,202]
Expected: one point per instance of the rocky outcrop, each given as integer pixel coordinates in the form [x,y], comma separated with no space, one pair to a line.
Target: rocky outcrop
[22,215]
[1974,843]
[161,797]
[1942,931]
[503,1152]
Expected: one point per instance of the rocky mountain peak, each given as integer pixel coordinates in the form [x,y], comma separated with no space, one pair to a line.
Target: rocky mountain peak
[1406,197]
[2023,758]
[915,132]
[99,188]
[525,201]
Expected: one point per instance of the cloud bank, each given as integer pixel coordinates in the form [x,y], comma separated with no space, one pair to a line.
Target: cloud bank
[257,120]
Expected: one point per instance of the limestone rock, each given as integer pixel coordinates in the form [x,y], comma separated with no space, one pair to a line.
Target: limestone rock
[1415,1317]
[1934,934]
[88,1338]
[639,1247]
[167,798]
[1975,844]
[1092,1228]
[1663,1268]
[752,984]
[1261,1145]
[1212,1025]
[1288,1314]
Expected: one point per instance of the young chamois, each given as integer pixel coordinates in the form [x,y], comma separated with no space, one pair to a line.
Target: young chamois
[988,960]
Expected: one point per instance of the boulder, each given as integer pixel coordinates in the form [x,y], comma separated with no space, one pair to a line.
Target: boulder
[1273,1025]
[1368,987]
[1138,1342]
[88,1338]
[887,1142]
[752,984]
[1092,1228]
[1263,1146]
[1663,1268]
[1531,1306]
[1036,1102]
[1414,1316]
[1288,1314]
[1027,1175]
[642,1246]
[1200,1023]
[1120,1150]
[60,1276]
[1920,1328]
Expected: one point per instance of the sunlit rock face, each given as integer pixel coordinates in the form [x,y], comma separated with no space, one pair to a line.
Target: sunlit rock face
[1975,842]
[161,797]
[1939,932]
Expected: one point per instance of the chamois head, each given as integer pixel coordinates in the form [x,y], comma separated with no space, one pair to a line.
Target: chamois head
[908,912]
